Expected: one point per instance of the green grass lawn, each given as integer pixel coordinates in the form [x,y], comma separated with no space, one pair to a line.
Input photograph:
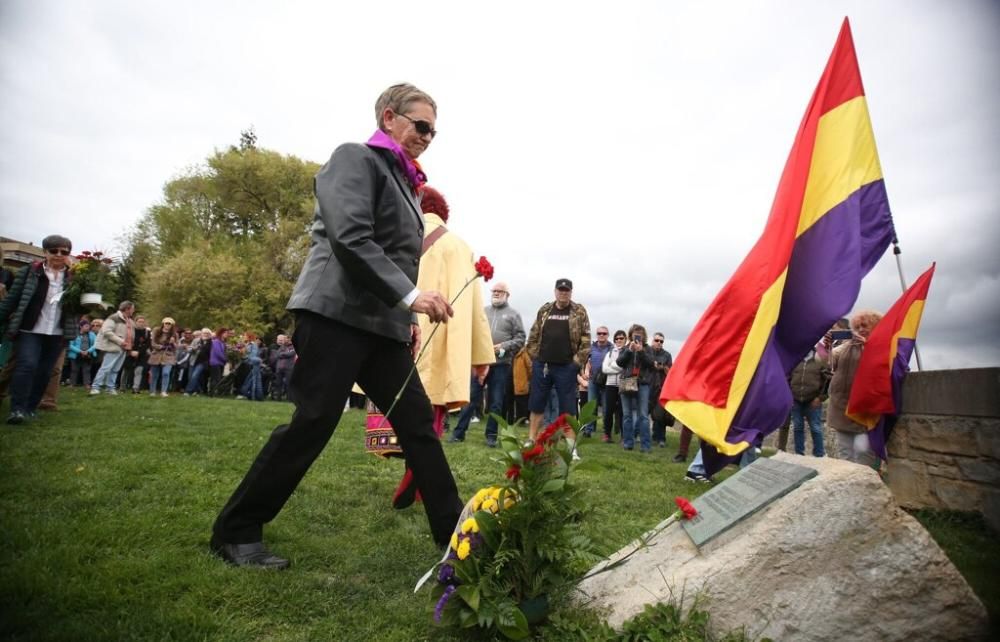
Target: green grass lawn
[106,508]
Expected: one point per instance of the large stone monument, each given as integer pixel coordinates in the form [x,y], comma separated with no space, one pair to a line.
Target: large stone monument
[797,556]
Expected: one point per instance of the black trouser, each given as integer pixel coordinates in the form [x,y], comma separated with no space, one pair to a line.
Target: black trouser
[612,411]
[332,356]
[214,379]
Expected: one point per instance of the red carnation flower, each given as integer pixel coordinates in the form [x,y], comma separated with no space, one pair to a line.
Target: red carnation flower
[548,433]
[107,261]
[533,452]
[484,268]
[86,252]
[513,472]
[689,511]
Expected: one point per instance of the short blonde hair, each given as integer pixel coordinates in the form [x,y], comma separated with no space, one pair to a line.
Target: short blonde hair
[864,322]
[398,98]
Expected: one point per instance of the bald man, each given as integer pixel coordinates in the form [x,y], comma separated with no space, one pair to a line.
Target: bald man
[507,330]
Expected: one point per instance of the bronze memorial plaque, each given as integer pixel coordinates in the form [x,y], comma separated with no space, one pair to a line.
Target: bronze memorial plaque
[742,495]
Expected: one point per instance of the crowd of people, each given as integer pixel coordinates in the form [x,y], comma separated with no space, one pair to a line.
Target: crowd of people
[125,354]
[556,368]
[46,344]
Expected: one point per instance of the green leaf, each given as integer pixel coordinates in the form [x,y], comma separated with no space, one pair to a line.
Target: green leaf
[489,529]
[467,619]
[471,596]
[516,631]
[554,485]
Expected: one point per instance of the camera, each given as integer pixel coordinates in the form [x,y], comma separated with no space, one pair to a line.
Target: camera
[637,338]
[841,335]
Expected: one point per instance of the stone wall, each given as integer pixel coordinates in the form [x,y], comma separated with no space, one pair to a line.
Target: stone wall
[945,450]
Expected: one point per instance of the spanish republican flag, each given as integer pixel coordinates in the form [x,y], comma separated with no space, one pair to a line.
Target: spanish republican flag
[829,225]
[877,392]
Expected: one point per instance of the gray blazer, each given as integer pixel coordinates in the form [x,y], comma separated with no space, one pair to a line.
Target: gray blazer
[366,237]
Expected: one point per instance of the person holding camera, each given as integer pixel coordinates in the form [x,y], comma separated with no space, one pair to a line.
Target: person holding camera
[852,437]
[636,362]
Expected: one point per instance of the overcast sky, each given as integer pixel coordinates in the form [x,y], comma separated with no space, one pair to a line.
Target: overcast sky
[634,147]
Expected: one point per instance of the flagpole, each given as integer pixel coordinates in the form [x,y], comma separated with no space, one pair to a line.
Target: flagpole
[902,283]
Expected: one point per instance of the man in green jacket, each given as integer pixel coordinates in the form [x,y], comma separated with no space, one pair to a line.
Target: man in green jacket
[559,347]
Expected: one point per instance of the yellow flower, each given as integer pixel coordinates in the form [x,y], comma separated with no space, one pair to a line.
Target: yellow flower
[477,499]
[508,501]
[491,505]
[463,549]
[470,526]
[454,541]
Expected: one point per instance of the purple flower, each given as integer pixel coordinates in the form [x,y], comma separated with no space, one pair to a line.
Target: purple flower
[446,574]
[444,600]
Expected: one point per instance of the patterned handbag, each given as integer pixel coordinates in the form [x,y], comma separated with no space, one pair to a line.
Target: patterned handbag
[380,439]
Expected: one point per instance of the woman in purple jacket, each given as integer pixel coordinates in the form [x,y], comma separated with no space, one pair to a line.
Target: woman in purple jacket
[217,360]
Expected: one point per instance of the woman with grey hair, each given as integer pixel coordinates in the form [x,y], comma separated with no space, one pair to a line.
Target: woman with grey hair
[40,322]
[852,437]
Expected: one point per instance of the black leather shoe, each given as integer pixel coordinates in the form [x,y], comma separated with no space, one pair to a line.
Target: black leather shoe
[255,554]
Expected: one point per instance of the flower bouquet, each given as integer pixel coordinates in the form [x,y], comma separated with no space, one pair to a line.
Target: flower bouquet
[518,546]
[91,282]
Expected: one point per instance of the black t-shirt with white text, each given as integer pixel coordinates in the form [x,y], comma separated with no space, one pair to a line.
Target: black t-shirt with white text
[555,347]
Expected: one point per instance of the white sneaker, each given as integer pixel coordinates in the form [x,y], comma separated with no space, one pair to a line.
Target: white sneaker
[576,455]
[94,391]
[112,391]
[163,394]
[187,394]
[474,420]
[152,394]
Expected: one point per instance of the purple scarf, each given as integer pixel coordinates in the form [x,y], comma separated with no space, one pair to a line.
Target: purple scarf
[414,174]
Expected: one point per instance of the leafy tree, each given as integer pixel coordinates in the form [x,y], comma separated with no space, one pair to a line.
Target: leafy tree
[226,243]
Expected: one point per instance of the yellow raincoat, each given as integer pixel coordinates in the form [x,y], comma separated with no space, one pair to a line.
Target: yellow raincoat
[446,367]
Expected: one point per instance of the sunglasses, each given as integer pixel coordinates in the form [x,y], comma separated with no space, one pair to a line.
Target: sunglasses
[54,251]
[422,126]
[495,292]
[657,340]
[602,334]
[619,338]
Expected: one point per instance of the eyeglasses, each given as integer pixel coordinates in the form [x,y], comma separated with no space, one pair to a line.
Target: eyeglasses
[422,126]
[602,334]
[657,340]
[55,250]
[496,292]
[619,338]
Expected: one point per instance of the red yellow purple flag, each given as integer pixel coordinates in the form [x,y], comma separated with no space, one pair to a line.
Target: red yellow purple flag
[877,391]
[829,225]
